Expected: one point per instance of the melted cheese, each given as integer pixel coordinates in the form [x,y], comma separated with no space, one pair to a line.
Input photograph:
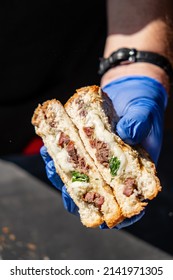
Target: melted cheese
[79,188]
[62,158]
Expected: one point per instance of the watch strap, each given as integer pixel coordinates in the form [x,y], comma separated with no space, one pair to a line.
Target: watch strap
[126,56]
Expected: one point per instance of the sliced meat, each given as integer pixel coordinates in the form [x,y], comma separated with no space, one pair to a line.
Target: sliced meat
[102,153]
[65,142]
[76,159]
[72,152]
[82,164]
[102,149]
[63,139]
[95,198]
[93,143]
[51,119]
[129,186]
[81,107]
[89,197]
[89,131]
[49,116]
[98,201]
[79,102]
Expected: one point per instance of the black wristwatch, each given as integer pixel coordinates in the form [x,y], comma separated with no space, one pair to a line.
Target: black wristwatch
[126,56]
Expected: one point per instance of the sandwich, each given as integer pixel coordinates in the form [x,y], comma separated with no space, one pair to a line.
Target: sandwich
[128,170]
[90,192]
[107,179]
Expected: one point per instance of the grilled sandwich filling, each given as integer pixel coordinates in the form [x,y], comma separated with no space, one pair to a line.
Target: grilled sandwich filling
[109,154]
[80,174]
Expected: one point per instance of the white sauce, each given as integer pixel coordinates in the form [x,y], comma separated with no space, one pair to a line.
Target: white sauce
[79,187]
[62,157]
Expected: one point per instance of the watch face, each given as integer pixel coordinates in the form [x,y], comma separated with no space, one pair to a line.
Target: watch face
[121,56]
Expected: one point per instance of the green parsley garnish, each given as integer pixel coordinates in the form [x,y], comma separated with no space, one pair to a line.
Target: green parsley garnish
[76,176]
[114,164]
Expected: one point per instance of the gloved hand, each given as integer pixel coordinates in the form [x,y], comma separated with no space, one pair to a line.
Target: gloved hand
[140,103]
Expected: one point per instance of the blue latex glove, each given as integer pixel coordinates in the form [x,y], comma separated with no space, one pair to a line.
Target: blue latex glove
[140,103]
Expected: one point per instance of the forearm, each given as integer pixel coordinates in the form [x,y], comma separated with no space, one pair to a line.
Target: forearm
[144,25]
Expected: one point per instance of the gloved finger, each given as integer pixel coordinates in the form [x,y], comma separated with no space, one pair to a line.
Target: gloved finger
[53,176]
[153,142]
[127,222]
[130,221]
[134,126]
[69,204]
[46,157]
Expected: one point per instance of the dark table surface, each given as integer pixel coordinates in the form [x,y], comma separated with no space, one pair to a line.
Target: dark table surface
[35,225]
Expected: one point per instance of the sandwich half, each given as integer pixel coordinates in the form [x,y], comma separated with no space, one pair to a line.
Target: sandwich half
[94,198]
[129,171]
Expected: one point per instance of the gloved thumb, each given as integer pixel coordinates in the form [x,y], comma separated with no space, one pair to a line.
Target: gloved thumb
[134,126]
